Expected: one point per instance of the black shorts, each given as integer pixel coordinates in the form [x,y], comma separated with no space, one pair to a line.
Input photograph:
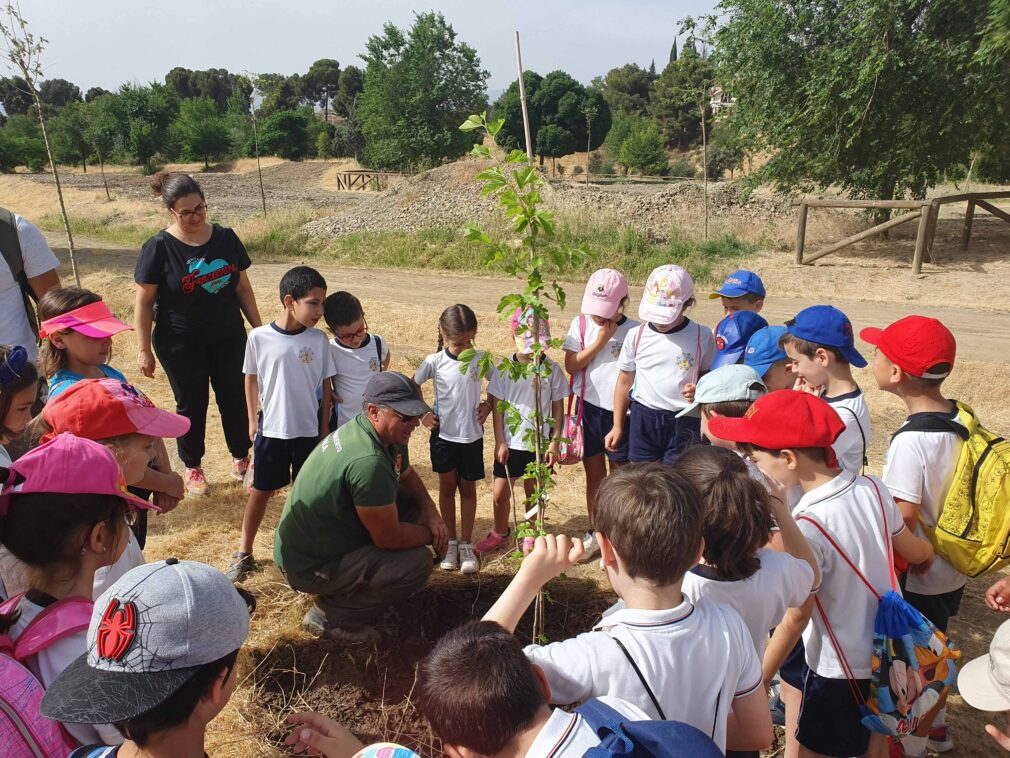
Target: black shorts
[937,608]
[794,667]
[465,458]
[829,716]
[515,466]
[596,425]
[276,462]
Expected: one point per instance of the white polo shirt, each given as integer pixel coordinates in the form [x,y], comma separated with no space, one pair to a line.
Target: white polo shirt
[601,372]
[918,469]
[355,366]
[520,394]
[38,259]
[782,582]
[664,363]
[849,509]
[568,735]
[697,658]
[456,395]
[851,446]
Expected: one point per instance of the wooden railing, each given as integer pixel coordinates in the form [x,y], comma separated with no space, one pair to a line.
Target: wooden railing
[365,180]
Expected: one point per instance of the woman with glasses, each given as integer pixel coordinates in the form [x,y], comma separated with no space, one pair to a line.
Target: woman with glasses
[193,287]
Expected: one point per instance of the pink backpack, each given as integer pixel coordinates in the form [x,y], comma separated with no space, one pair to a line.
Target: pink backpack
[23,730]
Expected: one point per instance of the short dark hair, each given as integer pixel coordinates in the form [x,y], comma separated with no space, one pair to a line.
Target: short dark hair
[939,368]
[477,688]
[817,454]
[738,513]
[171,186]
[178,706]
[341,309]
[747,297]
[727,408]
[300,281]
[808,348]
[652,514]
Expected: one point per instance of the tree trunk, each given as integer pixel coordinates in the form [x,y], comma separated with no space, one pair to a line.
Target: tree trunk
[589,141]
[704,161]
[59,187]
[101,164]
[84,164]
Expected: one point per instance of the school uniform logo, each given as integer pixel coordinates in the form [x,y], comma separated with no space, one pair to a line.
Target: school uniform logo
[213,275]
[685,362]
[373,365]
[615,349]
[306,355]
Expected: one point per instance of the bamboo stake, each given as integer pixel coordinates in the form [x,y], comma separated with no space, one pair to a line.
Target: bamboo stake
[522,99]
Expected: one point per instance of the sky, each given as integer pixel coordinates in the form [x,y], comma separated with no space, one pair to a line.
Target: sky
[106,42]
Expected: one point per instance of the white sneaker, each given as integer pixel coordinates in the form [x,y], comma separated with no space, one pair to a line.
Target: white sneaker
[468,563]
[451,560]
[591,547]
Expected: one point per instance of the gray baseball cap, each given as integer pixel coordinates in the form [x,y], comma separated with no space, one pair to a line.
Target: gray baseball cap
[392,389]
[150,632]
[731,382]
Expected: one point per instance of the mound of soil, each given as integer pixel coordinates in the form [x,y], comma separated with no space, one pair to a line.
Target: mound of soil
[368,688]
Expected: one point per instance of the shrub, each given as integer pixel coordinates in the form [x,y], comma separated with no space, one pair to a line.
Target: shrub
[682,167]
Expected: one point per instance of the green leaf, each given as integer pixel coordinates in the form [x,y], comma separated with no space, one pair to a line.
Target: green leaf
[495,126]
[524,176]
[465,359]
[472,123]
[481,151]
[516,156]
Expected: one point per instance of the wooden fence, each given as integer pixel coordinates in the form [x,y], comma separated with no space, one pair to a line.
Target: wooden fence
[925,211]
[365,180]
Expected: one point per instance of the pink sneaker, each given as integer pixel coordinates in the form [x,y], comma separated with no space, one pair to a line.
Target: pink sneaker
[196,482]
[239,466]
[492,542]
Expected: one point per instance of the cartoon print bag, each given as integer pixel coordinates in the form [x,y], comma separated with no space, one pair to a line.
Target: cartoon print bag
[913,661]
[572,450]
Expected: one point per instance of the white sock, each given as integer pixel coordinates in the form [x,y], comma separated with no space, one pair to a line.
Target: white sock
[914,746]
[941,717]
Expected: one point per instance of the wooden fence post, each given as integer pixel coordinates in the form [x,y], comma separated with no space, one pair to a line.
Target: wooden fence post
[801,231]
[969,216]
[921,238]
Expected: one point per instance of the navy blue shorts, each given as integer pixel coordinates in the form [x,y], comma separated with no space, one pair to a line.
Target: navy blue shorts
[794,667]
[829,716]
[465,458]
[657,435]
[596,425]
[276,462]
[515,465]
[937,608]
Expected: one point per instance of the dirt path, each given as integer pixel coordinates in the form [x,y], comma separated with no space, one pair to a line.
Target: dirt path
[981,336]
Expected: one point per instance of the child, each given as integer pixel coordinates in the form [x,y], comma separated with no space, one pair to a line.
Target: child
[592,347]
[457,434]
[737,569]
[285,361]
[66,515]
[357,355]
[660,364]
[742,291]
[820,347]
[765,355]
[983,683]
[120,417]
[166,670]
[511,452]
[790,436]
[914,355]
[732,334]
[670,657]
[76,329]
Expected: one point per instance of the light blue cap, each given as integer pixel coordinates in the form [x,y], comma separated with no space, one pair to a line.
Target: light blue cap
[731,382]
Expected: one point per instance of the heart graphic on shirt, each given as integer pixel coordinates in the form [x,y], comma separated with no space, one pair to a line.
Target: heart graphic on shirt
[213,275]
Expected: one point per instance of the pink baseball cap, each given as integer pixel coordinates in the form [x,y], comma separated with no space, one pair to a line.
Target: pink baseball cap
[604,292]
[101,408]
[70,465]
[92,320]
[524,342]
[666,292]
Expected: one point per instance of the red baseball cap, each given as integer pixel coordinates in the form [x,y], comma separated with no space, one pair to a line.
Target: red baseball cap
[101,408]
[782,419]
[915,344]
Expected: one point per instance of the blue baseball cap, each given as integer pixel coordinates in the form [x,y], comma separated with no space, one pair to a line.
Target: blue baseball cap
[732,334]
[763,349]
[826,325]
[740,283]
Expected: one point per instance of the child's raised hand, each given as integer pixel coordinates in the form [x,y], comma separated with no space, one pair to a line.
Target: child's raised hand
[608,330]
[688,392]
[552,555]
[430,421]
[802,385]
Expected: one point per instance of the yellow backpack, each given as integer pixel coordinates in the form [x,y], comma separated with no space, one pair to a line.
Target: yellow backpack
[972,531]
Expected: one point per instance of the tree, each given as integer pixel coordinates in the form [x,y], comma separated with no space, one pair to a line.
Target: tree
[675,95]
[94,92]
[673,51]
[322,82]
[420,84]
[59,92]
[285,134]
[14,95]
[201,130]
[643,150]
[877,97]
[69,142]
[627,89]
[101,130]
[280,93]
[352,82]
[554,141]
[621,128]
[146,113]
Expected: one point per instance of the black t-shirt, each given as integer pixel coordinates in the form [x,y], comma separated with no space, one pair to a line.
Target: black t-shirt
[196,283]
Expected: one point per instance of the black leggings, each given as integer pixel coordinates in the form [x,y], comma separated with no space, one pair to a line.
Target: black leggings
[190,367]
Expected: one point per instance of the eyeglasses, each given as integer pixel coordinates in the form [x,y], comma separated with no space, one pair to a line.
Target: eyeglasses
[353,335]
[199,210]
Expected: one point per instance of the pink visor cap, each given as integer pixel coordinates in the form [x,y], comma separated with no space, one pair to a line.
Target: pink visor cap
[70,465]
[604,292]
[92,320]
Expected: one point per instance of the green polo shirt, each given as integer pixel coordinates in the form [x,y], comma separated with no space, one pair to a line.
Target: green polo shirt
[350,468]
